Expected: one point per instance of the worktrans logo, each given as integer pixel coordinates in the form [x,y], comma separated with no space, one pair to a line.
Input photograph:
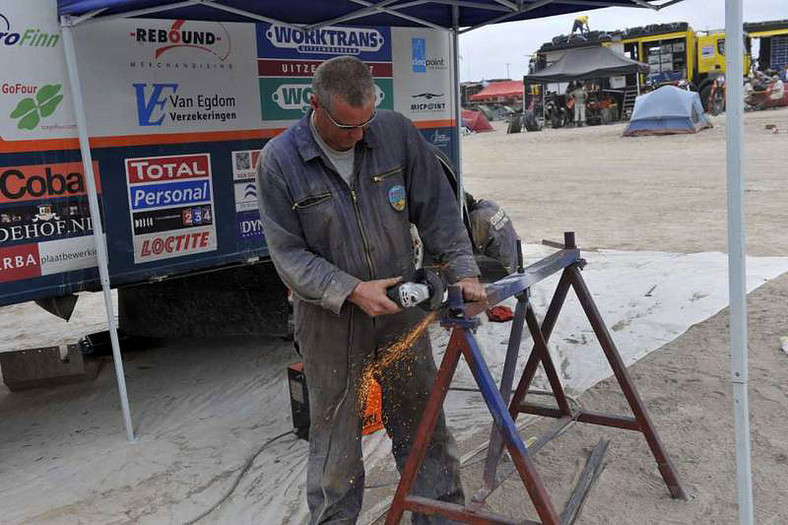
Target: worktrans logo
[181,34]
[288,99]
[171,203]
[25,37]
[366,43]
[157,103]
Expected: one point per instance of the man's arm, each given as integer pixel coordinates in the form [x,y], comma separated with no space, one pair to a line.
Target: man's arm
[310,276]
[433,209]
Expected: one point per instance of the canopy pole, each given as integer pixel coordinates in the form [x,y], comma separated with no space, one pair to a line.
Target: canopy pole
[455,61]
[734,64]
[95,214]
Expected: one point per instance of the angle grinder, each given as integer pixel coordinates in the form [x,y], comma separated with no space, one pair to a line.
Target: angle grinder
[426,289]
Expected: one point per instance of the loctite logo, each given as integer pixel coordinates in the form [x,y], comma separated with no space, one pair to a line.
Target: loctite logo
[329,40]
[170,245]
[162,169]
[178,36]
[26,183]
[29,37]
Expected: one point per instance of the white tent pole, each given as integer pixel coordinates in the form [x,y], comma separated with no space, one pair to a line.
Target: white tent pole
[95,214]
[455,61]
[734,67]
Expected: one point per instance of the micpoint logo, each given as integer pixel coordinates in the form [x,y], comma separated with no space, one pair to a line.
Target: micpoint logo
[30,37]
[178,37]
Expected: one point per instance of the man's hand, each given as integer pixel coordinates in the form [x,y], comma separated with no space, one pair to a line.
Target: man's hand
[371,297]
[472,289]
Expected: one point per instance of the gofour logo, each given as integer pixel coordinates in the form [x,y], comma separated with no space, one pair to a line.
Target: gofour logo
[31,110]
[29,37]
[328,40]
[178,36]
[296,96]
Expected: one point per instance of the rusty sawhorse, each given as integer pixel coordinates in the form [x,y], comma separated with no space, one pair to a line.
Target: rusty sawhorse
[461,319]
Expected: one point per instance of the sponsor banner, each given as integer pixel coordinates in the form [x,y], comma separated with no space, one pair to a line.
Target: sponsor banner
[34,94]
[167,245]
[250,227]
[19,262]
[244,164]
[44,221]
[287,99]
[440,138]
[422,81]
[171,219]
[306,68]
[44,181]
[66,255]
[365,43]
[245,195]
[168,168]
[169,76]
[180,190]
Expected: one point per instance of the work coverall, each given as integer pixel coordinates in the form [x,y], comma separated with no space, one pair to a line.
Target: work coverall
[325,236]
[493,233]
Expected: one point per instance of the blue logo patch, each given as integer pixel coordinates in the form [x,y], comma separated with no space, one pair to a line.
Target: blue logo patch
[397,197]
[419,54]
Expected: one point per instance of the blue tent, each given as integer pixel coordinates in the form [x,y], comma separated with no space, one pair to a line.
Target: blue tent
[667,111]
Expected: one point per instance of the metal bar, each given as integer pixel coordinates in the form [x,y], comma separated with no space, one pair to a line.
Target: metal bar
[426,427]
[627,386]
[393,12]
[507,3]
[502,18]
[589,475]
[76,20]
[507,378]
[455,63]
[361,13]
[140,12]
[540,345]
[642,3]
[519,282]
[248,14]
[458,512]
[539,410]
[515,446]
[737,251]
[609,420]
[466,3]
[95,215]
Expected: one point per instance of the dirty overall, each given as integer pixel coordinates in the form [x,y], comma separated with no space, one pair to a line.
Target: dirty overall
[325,236]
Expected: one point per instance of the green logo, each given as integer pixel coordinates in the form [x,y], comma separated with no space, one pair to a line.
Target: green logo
[30,110]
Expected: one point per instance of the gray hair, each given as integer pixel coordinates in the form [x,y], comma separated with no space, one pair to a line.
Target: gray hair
[345,77]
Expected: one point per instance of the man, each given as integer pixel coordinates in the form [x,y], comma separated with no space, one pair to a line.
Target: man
[493,234]
[579,96]
[581,24]
[777,90]
[338,192]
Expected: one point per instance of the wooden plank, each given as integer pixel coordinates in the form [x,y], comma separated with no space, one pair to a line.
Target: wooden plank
[589,475]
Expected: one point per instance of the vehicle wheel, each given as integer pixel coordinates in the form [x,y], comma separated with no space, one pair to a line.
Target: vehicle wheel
[713,105]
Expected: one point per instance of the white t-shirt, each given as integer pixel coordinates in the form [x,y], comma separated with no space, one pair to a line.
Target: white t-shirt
[341,160]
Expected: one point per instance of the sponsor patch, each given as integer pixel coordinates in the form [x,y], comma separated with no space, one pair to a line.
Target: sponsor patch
[397,197]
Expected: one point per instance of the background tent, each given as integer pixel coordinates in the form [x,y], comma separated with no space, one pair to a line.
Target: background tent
[496,91]
[588,63]
[475,121]
[666,111]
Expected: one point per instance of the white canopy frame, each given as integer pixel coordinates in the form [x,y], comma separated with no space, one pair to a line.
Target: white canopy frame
[734,24]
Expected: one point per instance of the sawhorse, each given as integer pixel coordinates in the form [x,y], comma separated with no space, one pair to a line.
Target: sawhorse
[463,322]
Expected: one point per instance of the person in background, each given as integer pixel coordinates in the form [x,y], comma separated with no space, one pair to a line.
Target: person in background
[777,90]
[579,96]
[581,24]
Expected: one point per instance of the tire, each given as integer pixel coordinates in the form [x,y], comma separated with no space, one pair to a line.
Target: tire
[713,107]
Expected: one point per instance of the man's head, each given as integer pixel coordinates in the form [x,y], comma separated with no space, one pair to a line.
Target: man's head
[343,99]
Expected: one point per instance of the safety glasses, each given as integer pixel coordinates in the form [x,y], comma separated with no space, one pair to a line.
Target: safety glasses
[347,127]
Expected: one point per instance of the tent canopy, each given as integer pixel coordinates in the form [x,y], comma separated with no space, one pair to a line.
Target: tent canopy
[667,110]
[434,13]
[475,121]
[588,63]
[506,89]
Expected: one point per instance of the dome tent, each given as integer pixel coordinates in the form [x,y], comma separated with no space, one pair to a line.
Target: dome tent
[666,111]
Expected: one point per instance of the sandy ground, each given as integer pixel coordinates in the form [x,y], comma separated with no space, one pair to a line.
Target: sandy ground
[203,408]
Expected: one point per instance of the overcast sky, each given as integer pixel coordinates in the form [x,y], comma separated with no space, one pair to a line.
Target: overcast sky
[486,51]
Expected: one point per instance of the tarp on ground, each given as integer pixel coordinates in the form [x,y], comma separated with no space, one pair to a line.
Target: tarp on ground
[475,121]
[666,111]
[504,89]
[588,63]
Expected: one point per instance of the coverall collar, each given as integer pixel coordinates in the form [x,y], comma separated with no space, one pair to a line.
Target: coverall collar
[308,148]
